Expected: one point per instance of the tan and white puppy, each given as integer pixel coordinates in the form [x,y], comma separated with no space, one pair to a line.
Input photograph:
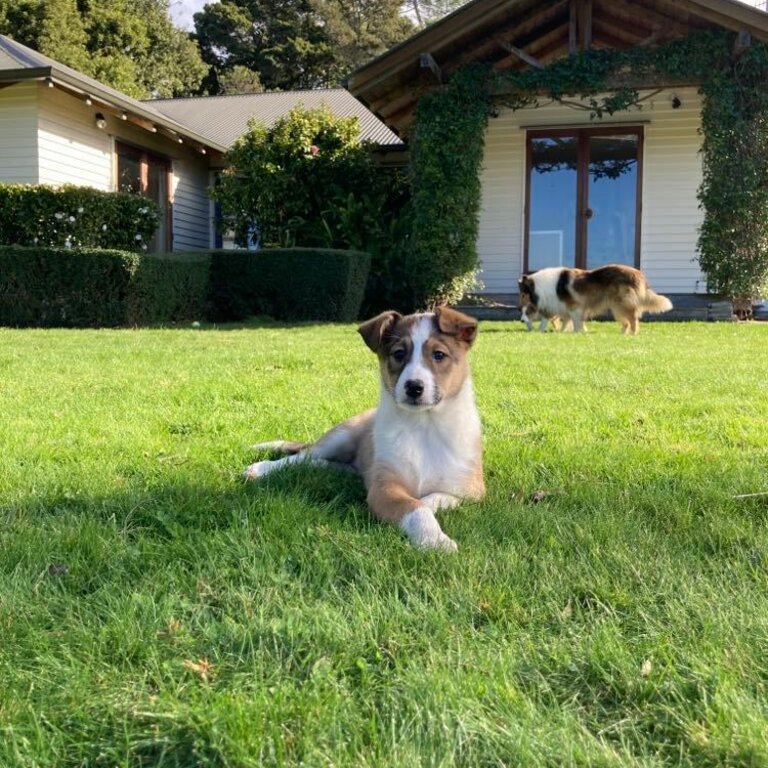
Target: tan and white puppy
[420,450]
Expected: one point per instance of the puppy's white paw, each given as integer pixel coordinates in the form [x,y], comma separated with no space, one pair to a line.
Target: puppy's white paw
[256,470]
[424,532]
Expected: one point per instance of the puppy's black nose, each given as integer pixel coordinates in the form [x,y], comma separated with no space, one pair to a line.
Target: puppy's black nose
[414,388]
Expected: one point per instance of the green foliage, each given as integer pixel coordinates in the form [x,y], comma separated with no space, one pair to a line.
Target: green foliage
[733,241]
[297,43]
[131,45]
[288,284]
[294,179]
[446,154]
[309,181]
[49,287]
[169,287]
[76,217]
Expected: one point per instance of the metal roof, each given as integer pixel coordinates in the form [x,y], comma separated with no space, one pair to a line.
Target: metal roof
[225,118]
[18,63]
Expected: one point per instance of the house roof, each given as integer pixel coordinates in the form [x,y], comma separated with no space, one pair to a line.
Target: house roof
[19,63]
[225,118]
[514,34]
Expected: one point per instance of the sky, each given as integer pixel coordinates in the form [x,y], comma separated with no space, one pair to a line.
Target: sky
[182,10]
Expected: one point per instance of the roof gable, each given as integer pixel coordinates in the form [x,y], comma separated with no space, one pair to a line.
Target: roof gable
[514,34]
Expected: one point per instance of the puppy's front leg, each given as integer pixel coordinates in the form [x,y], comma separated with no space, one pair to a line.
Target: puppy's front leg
[437,501]
[391,502]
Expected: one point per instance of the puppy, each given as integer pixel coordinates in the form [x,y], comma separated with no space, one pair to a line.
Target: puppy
[529,314]
[420,450]
[580,293]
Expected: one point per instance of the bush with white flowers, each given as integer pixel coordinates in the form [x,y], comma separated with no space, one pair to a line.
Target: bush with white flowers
[75,217]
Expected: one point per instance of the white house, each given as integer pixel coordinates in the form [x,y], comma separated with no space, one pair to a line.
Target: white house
[58,126]
[544,200]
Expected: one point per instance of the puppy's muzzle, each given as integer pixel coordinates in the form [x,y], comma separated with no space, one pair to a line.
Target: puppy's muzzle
[414,389]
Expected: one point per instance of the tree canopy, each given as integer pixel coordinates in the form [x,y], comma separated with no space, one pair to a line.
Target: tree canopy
[131,45]
[296,44]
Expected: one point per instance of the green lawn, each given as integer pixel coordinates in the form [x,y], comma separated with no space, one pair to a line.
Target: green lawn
[154,611]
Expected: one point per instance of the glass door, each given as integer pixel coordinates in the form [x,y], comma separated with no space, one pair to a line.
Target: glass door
[583,198]
[612,199]
[552,200]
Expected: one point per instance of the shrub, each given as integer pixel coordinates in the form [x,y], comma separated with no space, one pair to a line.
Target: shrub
[311,284]
[170,287]
[288,284]
[47,287]
[309,181]
[75,217]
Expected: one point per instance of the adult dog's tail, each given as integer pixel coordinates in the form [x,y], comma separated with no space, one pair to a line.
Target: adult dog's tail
[655,302]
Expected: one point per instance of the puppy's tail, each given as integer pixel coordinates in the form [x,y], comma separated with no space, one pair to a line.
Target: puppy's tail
[655,302]
[280,446]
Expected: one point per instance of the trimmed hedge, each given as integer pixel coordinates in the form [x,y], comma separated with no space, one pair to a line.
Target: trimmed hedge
[77,217]
[55,287]
[171,287]
[290,283]
[47,287]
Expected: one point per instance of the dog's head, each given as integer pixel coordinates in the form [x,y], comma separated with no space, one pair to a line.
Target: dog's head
[423,357]
[528,300]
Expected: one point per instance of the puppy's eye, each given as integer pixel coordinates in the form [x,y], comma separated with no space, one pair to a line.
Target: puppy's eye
[438,355]
[398,355]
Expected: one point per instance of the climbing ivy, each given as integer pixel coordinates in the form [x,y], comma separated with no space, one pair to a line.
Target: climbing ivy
[447,151]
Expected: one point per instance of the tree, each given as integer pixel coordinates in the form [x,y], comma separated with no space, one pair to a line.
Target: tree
[362,29]
[131,45]
[296,44]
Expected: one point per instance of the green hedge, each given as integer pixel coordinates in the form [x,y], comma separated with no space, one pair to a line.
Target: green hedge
[89,288]
[47,287]
[171,287]
[76,217]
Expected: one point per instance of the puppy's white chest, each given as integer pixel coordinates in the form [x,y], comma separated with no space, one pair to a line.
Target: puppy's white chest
[426,458]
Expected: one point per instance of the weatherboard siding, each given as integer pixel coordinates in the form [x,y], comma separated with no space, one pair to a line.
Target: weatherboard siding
[18,134]
[191,206]
[671,176]
[72,150]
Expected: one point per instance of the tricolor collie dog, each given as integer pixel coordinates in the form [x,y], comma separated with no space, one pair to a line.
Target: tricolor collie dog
[579,293]
[420,450]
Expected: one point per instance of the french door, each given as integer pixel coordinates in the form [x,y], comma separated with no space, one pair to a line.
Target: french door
[583,197]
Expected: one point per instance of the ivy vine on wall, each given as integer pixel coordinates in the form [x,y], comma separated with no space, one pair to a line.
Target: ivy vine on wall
[448,137]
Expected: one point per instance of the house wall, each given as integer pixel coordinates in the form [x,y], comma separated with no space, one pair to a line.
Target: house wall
[18,144]
[671,176]
[72,150]
[192,220]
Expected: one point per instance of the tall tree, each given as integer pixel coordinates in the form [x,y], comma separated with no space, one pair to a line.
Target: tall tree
[131,45]
[296,43]
[362,29]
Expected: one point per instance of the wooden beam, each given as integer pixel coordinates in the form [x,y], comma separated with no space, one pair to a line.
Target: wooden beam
[585,24]
[521,54]
[427,62]
[572,29]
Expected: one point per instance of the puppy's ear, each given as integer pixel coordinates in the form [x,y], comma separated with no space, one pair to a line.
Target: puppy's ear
[374,330]
[456,324]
